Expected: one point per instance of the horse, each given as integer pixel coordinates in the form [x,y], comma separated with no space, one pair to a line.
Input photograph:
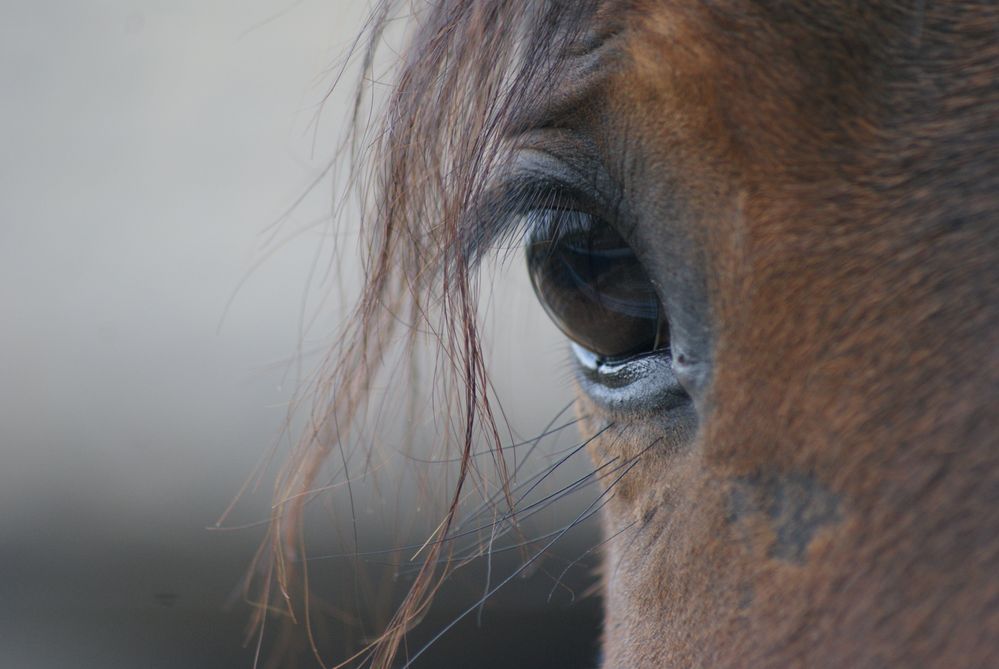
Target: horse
[768,231]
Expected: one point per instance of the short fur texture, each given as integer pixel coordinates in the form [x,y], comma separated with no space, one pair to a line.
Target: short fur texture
[818,182]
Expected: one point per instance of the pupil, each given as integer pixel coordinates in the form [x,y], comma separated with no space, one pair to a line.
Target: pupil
[592,285]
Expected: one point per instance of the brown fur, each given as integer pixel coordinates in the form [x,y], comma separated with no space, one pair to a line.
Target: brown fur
[838,505]
[851,229]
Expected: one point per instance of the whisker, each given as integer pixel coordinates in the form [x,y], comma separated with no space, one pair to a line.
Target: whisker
[589,550]
[538,478]
[532,508]
[492,451]
[519,570]
[540,504]
[505,549]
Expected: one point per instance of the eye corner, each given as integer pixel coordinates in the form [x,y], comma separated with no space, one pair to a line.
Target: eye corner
[691,372]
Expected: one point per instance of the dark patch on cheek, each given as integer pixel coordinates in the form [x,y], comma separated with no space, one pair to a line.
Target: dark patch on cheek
[747,593]
[649,514]
[649,532]
[794,506]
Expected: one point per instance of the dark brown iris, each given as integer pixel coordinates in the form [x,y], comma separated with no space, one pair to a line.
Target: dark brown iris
[593,286]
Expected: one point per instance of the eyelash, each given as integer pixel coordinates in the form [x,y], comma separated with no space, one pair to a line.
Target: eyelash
[526,212]
[513,209]
[554,223]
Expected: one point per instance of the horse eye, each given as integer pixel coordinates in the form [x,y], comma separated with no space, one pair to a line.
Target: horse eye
[592,285]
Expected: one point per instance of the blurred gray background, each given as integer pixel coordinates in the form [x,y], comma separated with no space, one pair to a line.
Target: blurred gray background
[148,148]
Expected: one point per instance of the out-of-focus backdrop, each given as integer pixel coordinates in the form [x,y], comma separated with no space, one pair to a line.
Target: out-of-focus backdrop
[152,325]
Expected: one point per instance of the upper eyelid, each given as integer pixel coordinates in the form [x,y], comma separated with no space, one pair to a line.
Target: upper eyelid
[546,168]
[575,165]
[544,225]
[533,179]
[502,213]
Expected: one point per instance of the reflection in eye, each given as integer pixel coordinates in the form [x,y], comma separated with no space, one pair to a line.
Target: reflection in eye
[592,285]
